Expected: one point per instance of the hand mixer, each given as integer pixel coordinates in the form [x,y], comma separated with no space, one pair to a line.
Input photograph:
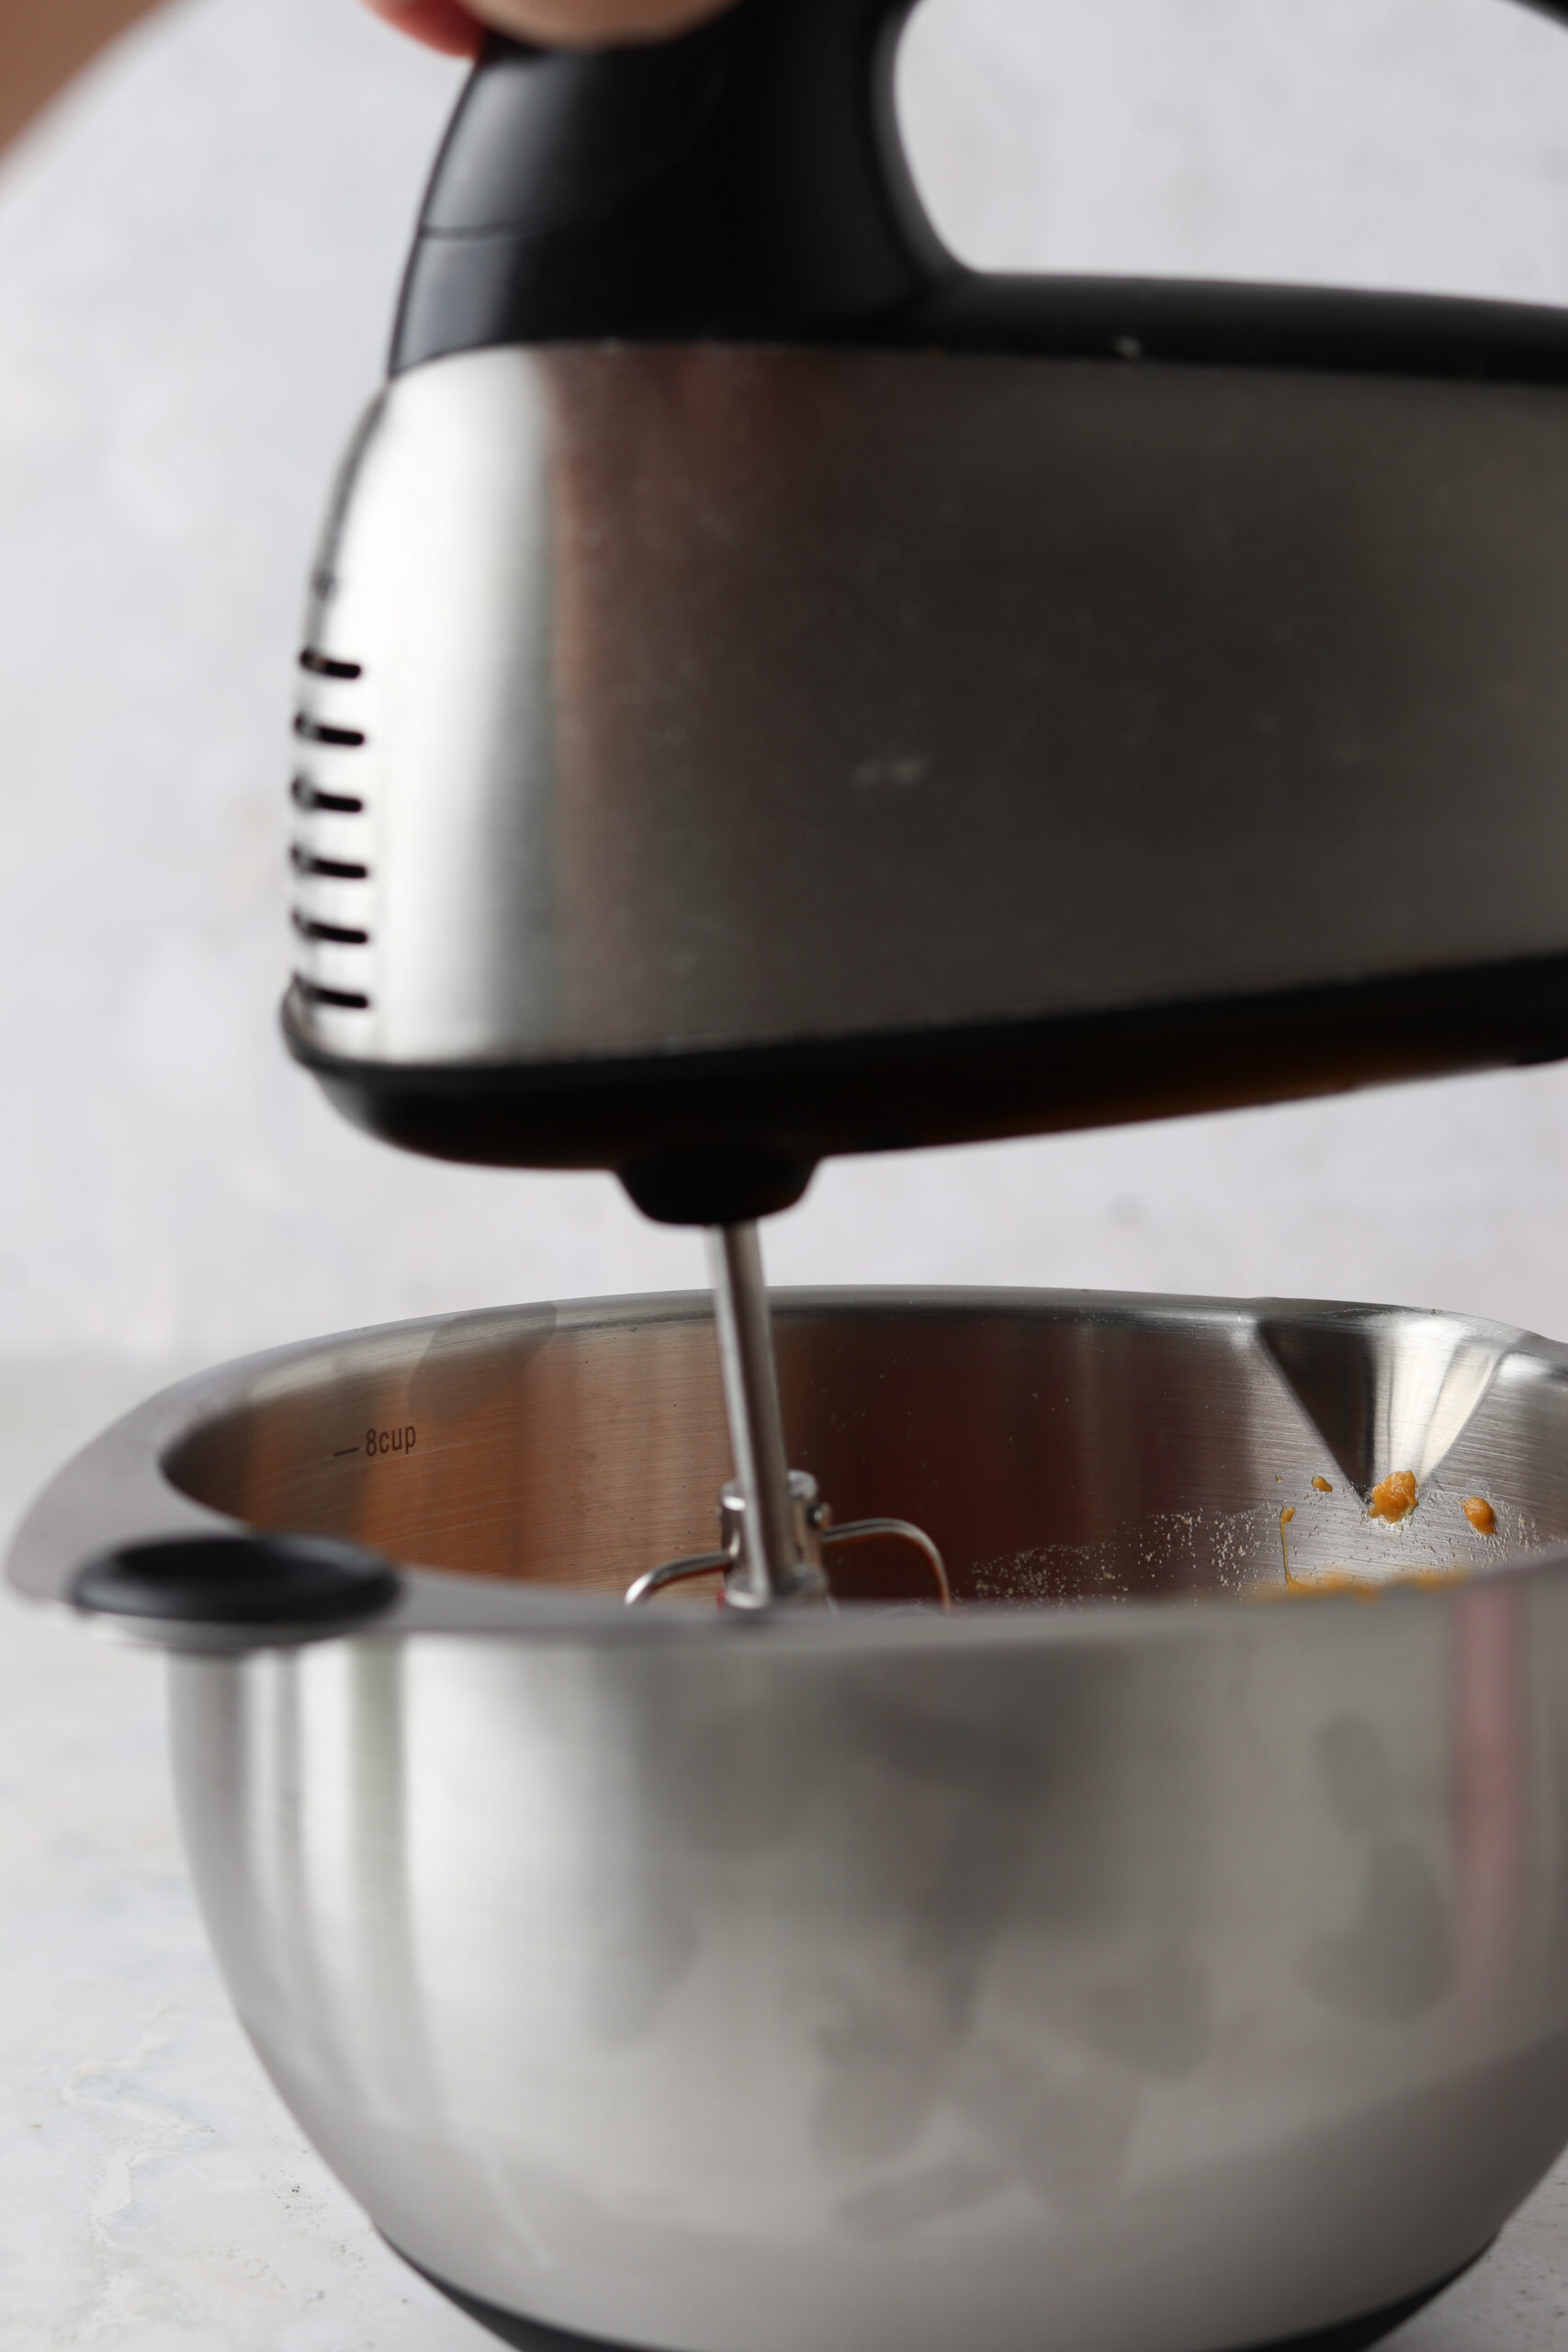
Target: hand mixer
[770,691]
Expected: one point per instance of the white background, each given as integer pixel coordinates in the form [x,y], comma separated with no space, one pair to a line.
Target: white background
[197,257]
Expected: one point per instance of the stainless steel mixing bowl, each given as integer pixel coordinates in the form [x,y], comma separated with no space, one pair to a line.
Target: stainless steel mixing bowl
[1125,1965]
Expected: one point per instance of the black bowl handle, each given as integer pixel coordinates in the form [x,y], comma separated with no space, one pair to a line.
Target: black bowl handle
[240,1583]
[746,182]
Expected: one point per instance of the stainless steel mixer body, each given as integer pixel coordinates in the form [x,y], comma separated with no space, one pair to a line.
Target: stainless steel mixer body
[1155,1971]
[667,702]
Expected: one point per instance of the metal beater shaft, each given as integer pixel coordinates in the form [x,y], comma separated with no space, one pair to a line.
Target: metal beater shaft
[775,1524]
[774,1571]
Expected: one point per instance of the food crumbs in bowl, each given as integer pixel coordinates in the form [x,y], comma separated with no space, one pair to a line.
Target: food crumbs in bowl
[1480,1513]
[1323,1486]
[1392,1498]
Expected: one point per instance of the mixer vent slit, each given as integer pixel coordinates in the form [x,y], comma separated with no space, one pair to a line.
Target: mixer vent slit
[330,869]
[306,794]
[324,666]
[331,934]
[313,731]
[342,999]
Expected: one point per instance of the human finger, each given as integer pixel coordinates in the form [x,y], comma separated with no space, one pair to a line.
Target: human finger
[456,25]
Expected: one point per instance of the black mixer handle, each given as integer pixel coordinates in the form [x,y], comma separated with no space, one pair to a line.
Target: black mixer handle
[744,181]
[747,182]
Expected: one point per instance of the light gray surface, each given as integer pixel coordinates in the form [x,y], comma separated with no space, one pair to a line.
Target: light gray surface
[195,262]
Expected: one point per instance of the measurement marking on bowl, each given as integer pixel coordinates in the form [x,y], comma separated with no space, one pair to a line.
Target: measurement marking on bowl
[380,1442]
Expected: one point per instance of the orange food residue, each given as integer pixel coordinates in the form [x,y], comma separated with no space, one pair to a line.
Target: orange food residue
[1323,1486]
[1480,1513]
[1392,1498]
[1287,1514]
[1328,1583]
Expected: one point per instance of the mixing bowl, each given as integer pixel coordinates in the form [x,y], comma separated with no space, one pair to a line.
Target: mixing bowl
[1156,1955]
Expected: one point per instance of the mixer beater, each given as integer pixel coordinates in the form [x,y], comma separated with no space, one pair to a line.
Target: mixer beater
[775,1524]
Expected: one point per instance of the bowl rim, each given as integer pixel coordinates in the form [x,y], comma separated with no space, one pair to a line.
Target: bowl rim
[118,1494]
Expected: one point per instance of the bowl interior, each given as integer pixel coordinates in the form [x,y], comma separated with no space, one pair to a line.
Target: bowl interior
[1056,1448]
